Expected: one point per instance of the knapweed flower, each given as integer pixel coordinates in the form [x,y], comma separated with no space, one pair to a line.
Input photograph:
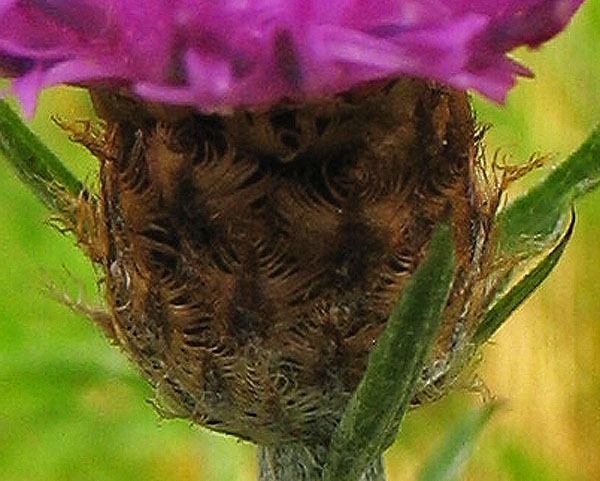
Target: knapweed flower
[271,175]
[220,54]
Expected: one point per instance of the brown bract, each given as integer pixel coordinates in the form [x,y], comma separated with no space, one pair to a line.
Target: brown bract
[252,260]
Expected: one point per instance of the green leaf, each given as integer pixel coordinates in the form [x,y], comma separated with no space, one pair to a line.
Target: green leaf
[536,214]
[504,306]
[371,420]
[35,164]
[448,459]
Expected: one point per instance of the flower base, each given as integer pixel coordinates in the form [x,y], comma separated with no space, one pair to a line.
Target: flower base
[252,260]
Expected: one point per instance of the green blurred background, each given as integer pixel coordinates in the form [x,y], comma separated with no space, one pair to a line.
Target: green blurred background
[72,409]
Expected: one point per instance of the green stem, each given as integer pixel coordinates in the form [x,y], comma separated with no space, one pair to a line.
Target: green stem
[36,165]
[535,215]
[294,462]
[533,223]
[373,415]
[509,301]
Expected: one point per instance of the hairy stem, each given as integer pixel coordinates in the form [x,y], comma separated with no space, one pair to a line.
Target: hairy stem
[535,215]
[294,462]
[36,165]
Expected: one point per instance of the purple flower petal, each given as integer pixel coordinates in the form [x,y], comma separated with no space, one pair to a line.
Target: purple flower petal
[228,53]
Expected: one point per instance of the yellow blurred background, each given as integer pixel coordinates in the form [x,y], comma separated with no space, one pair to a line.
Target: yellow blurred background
[71,408]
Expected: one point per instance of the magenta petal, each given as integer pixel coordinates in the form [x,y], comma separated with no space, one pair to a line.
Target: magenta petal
[5,5]
[228,53]
[26,89]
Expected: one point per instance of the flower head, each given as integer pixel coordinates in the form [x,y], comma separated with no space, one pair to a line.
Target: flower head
[251,260]
[228,53]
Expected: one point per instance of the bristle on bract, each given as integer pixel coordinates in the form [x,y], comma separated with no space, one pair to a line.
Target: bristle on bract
[252,260]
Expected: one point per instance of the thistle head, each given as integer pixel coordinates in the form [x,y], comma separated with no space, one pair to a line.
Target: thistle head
[271,175]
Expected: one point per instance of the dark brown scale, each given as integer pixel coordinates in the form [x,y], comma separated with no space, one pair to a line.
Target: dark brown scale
[252,259]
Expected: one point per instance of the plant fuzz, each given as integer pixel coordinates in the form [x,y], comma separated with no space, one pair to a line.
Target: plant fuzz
[251,260]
